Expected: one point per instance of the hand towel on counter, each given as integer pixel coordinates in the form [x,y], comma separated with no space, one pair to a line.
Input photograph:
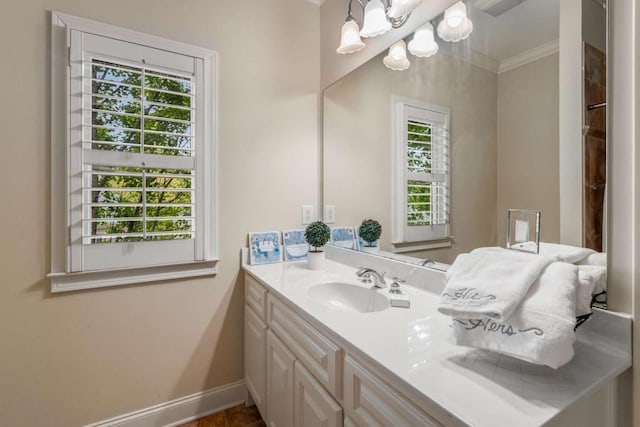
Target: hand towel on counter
[596,259]
[540,331]
[591,280]
[559,252]
[489,282]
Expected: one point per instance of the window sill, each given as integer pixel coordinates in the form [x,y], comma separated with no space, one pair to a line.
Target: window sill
[66,282]
[422,246]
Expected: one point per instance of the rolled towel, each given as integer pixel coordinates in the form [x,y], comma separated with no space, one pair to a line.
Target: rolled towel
[594,274]
[489,282]
[540,331]
[566,253]
[596,259]
[559,252]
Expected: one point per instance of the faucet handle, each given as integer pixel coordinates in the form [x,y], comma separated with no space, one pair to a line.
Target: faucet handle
[395,285]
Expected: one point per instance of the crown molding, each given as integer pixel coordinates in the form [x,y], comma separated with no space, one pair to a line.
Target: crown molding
[529,56]
[316,2]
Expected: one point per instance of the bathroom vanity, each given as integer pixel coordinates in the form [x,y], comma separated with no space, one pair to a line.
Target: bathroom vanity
[321,348]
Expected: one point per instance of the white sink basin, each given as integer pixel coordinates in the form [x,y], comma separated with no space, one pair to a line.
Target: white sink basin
[344,296]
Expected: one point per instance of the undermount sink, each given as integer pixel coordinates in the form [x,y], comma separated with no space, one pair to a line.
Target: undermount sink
[345,296]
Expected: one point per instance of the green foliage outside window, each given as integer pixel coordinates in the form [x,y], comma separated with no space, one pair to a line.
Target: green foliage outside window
[419,159]
[126,101]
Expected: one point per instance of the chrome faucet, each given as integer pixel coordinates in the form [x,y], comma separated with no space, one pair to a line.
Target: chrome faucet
[366,274]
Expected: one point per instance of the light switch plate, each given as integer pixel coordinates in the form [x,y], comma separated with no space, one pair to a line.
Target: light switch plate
[330,214]
[308,214]
[522,231]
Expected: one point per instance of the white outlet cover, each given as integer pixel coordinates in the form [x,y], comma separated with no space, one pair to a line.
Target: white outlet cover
[308,214]
[330,214]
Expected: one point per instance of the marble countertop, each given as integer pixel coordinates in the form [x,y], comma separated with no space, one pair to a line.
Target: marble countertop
[411,349]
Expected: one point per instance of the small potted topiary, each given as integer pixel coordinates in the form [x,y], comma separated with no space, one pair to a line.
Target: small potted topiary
[317,235]
[370,231]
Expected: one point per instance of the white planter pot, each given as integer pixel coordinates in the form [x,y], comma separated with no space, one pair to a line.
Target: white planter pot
[370,249]
[315,260]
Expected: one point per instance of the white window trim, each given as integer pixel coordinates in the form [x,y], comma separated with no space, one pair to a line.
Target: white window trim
[399,240]
[61,278]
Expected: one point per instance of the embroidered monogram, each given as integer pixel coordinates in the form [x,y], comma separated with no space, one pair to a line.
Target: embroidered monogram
[468,294]
[496,327]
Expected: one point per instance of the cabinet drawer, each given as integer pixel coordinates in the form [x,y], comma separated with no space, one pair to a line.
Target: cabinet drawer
[368,401]
[256,296]
[319,355]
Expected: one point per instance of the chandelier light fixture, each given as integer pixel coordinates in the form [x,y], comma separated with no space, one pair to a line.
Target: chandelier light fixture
[397,59]
[350,41]
[455,26]
[375,22]
[424,43]
[380,16]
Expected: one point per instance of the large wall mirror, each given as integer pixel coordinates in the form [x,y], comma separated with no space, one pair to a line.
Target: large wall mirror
[447,146]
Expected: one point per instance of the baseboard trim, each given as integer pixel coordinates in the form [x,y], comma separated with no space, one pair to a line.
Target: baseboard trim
[182,410]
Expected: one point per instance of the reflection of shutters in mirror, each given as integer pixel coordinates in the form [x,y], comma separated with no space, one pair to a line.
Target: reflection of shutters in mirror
[422,166]
[135,174]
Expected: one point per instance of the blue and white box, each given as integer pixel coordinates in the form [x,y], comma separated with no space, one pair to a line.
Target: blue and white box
[343,237]
[295,246]
[264,247]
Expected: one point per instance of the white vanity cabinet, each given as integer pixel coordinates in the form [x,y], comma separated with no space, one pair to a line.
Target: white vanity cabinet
[280,383]
[313,406]
[299,377]
[255,345]
[255,342]
[368,401]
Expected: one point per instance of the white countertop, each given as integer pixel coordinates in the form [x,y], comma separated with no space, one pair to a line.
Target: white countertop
[411,348]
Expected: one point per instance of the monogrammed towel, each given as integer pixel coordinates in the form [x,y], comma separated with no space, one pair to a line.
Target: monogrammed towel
[591,280]
[489,283]
[540,331]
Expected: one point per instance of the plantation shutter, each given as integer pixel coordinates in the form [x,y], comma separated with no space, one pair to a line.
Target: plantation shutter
[136,171]
[423,193]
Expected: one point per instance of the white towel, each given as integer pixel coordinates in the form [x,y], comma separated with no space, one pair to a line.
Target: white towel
[559,252]
[489,282]
[540,331]
[566,253]
[597,259]
[592,280]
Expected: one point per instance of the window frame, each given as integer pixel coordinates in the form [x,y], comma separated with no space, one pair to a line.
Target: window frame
[422,237]
[67,277]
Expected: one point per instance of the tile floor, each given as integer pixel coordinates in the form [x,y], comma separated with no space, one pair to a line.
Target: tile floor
[238,416]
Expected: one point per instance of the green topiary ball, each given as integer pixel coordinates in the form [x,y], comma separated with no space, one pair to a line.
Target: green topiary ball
[317,234]
[370,230]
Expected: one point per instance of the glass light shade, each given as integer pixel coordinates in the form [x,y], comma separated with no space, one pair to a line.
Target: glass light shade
[400,8]
[455,25]
[397,57]
[350,41]
[375,21]
[423,43]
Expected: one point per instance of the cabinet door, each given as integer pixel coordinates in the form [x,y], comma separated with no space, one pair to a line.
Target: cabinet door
[319,355]
[313,406]
[280,371]
[255,350]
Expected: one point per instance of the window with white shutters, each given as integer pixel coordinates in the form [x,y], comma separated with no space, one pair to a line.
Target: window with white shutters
[421,170]
[140,151]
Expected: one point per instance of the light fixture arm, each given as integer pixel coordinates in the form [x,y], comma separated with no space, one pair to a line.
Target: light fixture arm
[395,22]
[350,15]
